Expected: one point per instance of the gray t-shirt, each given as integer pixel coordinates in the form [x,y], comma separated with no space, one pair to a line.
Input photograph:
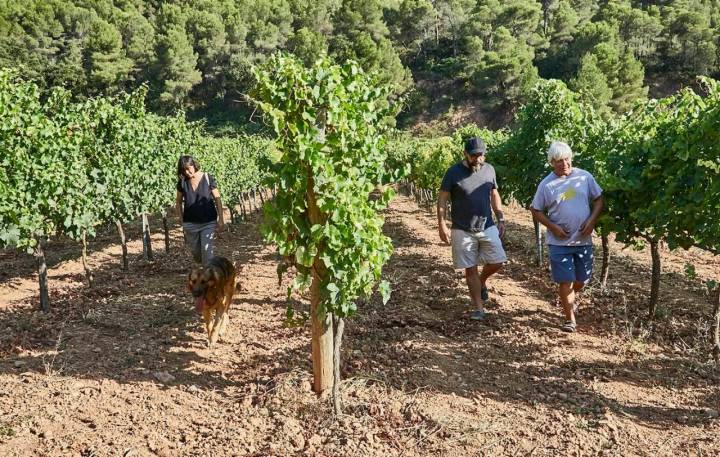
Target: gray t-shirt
[566,199]
[470,196]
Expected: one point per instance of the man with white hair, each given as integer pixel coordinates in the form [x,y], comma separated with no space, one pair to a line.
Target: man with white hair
[471,187]
[562,203]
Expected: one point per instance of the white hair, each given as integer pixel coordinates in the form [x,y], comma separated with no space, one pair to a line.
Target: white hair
[558,151]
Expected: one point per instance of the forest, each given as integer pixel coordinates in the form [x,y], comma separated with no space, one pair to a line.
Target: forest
[439,55]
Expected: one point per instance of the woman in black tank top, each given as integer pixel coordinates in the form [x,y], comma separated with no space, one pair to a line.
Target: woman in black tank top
[199,208]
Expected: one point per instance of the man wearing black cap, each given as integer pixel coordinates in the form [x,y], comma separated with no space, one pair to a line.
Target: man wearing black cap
[471,187]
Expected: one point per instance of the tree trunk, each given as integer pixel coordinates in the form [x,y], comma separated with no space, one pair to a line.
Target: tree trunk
[605,260]
[716,327]
[166,229]
[322,329]
[254,200]
[546,16]
[242,206]
[322,336]
[42,276]
[85,263]
[123,243]
[147,244]
[538,244]
[262,199]
[339,327]
[655,282]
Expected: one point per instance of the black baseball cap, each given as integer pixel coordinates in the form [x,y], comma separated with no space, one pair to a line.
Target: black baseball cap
[475,146]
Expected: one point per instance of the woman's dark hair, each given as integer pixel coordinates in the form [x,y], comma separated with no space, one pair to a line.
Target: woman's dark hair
[184,162]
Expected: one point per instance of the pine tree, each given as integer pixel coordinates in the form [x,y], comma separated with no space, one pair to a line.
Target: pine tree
[177,67]
[504,72]
[107,65]
[591,83]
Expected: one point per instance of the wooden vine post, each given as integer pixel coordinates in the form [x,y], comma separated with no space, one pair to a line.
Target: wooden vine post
[166,231]
[42,276]
[716,323]
[655,281]
[605,259]
[85,262]
[329,124]
[538,244]
[321,322]
[147,241]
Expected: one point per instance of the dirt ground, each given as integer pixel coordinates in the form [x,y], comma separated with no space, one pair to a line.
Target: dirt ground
[123,369]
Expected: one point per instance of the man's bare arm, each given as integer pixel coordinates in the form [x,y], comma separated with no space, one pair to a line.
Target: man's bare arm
[589,225]
[443,198]
[496,203]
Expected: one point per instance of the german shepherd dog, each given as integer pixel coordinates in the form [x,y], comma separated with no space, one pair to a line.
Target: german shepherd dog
[213,286]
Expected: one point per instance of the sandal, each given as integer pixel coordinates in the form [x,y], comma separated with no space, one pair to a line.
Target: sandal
[484,293]
[569,326]
[478,315]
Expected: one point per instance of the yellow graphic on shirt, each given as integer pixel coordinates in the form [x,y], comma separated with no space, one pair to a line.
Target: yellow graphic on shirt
[569,194]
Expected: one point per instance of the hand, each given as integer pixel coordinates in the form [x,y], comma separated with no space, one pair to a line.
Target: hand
[444,233]
[587,227]
[558,231]
[220,227]
[501,228]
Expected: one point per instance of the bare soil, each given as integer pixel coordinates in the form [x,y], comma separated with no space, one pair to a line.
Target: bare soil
[123,369]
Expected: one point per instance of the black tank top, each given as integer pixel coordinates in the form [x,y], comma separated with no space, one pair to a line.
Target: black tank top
[198,205]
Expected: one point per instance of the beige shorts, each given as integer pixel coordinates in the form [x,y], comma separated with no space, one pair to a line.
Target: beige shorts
[470,249]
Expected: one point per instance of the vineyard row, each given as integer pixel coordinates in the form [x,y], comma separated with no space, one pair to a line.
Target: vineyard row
[69,167]
[659,165]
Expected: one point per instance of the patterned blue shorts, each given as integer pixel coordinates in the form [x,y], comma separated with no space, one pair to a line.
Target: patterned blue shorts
[571,263]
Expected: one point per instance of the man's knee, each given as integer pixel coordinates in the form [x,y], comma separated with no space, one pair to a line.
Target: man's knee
[494,266]
[565,287]
[578,285]
[471,271]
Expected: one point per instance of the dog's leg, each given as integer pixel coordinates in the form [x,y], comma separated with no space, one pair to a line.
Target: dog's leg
[229,292]
[207,318]
[215,330]
[224,325]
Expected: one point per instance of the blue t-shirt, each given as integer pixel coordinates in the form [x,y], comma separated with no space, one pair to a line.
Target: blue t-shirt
[470,196]
[566,199]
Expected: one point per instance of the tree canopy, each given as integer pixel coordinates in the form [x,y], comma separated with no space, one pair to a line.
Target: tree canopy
[198,54]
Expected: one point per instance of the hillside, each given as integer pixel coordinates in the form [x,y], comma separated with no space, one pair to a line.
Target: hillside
[471,60]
